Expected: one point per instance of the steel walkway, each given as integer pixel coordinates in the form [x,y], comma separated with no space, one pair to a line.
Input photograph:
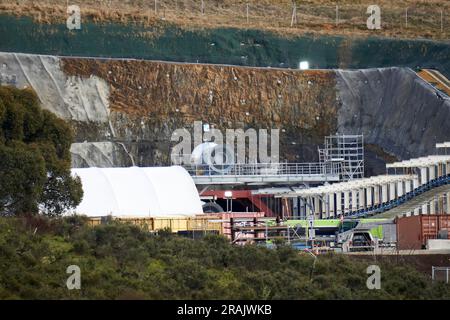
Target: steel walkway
[272,173]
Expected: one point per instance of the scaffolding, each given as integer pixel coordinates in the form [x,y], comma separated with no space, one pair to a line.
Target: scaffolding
[349,151]
[268,231]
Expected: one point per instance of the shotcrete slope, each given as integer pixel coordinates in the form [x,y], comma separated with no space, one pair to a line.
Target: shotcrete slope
[394,109]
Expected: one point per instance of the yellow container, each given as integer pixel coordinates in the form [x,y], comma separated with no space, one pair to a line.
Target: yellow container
[174,224]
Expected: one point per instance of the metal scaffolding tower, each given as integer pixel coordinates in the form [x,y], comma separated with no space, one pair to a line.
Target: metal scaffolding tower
[349,151]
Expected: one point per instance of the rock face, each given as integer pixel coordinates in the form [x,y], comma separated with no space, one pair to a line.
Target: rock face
[124,112]
[127,110]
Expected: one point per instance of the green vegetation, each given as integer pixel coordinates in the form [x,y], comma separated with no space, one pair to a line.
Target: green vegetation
[120,261]
[34,157]
[250,47]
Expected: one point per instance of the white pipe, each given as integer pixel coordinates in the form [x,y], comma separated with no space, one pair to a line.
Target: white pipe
[415,183]
[400,188]
[425,208]
[325,203]
[432,170]
[369,196]
[423,175]
[346,201]
[376,195]
[392,191]
[433,206]
[384,193]
[407,186]
[331,206]
[362,198]
[338,203]
[448,203]
[316,206]
[308,206]
[354,199]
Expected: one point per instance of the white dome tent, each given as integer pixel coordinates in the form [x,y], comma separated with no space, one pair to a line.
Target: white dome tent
[138,192]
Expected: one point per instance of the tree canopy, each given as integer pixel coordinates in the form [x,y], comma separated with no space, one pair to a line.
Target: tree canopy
[121,261]
[34,157]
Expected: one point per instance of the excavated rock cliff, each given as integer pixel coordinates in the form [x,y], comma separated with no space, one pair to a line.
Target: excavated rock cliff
[124,112]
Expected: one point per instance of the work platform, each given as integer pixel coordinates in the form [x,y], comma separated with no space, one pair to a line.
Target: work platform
[261,174]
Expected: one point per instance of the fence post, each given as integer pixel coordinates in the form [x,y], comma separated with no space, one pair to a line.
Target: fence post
[337,15]
[294,14]
[442,30]
[247,12]
[432,273]
[203,7]
[156,6]
[406,17]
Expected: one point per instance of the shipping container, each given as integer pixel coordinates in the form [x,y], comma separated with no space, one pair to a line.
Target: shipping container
[414,231]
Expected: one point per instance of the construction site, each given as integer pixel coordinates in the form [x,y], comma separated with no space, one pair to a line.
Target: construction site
[319,176]
[268,123]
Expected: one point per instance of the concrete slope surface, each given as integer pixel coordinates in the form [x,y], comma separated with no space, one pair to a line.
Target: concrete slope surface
[394,109]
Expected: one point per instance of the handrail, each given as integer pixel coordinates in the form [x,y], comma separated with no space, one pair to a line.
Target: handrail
[265,169]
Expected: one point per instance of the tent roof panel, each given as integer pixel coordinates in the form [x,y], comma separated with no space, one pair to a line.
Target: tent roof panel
[138,192]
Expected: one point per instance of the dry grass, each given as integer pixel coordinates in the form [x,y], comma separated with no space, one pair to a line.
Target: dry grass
[314,16]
